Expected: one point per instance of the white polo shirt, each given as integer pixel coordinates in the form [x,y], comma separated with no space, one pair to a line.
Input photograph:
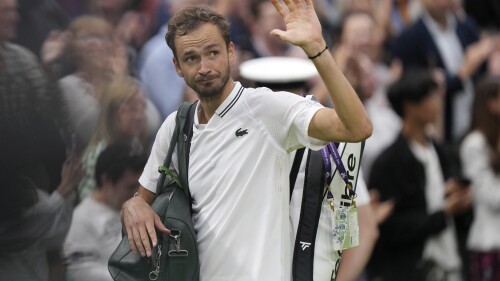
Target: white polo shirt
[239,180]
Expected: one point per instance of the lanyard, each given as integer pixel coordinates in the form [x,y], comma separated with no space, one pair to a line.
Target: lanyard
[331,149]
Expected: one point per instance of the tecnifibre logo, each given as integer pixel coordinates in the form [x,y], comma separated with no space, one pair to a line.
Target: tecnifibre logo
[304,245]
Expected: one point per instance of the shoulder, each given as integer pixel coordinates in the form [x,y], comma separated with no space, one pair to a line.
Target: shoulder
[475,139]
[19,51]
[18,57]
[268,97]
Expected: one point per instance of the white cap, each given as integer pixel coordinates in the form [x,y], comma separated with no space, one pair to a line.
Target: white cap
[278,70]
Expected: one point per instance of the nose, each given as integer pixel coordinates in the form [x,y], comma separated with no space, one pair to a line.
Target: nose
[205,67]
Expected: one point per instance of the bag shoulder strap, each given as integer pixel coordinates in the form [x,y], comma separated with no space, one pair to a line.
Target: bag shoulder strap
[183,121]
[185,116]
[312,197]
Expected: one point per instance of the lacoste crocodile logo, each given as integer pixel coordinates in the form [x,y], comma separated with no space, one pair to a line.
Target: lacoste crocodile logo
[240,132]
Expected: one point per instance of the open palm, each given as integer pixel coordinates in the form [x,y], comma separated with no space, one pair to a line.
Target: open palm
[303,28]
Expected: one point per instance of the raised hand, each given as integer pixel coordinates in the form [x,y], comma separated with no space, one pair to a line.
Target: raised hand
[303,28]
[53,47]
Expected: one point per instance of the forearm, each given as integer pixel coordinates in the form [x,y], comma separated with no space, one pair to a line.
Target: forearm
[355,124]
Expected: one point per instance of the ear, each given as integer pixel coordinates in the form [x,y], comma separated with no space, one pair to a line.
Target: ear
[493,105]
[177,67]
[230,52]
[105,180]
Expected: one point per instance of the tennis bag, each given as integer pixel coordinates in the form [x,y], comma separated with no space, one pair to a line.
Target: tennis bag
[176,256]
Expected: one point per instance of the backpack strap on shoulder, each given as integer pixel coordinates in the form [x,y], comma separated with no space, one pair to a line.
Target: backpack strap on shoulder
[185,119]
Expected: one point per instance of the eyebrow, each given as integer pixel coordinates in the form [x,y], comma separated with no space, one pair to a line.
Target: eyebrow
[191,52]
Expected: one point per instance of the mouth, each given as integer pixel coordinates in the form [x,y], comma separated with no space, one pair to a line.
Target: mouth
[206,79]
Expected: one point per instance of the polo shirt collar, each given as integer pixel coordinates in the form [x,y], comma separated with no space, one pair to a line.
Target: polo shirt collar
[226,105]
[230,101]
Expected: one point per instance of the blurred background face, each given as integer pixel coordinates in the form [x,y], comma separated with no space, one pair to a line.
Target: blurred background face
[437,8]
[91,42]
[8,19]
[90,45]
[123,189]
[428,110]
[267,20]
[358,32]
[131,116]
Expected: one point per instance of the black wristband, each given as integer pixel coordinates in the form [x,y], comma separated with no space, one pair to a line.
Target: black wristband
[319,54]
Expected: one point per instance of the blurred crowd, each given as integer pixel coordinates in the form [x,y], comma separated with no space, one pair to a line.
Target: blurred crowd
[85,85]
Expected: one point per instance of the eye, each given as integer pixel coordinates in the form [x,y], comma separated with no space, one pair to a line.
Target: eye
[214,53]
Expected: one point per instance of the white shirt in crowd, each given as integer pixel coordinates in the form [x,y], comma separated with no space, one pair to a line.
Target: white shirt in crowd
[94,235]
[484,232]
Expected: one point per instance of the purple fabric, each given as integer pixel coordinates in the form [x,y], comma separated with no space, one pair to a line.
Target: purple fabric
[485,266]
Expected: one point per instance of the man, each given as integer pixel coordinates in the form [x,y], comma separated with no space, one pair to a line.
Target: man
[419,240]
[29,138]
[440,39]
[96,229]
[31,147]
[238,167]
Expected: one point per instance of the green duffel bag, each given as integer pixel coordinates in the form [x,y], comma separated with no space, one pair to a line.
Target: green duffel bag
[175,258]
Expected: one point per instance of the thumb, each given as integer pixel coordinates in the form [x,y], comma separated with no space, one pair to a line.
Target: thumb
[159,225]
[278,33]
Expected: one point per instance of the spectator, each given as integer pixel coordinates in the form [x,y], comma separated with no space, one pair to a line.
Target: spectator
[132,27]
[264,19]
[96,228]
[29,116]
[32,155]
[156,71]
[358,55]
[418,240]
[97,59]
[33,223]
[441,40]
[122,117]
[38,19]
[480,155]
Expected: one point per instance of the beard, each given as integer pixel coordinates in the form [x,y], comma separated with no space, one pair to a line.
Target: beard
[210,87]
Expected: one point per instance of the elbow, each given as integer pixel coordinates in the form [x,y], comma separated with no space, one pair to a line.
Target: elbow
[364,131]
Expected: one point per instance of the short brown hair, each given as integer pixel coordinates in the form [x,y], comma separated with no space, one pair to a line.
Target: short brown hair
[188,19]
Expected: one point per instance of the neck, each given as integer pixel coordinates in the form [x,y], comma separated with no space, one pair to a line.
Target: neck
[440,19]
[414,131]
[208,105]
[98,196]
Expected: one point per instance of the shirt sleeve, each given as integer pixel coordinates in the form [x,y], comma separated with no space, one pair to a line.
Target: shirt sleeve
[150,175]
[476,165]
[286,117]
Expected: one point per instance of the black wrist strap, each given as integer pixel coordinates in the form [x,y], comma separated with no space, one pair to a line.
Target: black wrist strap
[319,54]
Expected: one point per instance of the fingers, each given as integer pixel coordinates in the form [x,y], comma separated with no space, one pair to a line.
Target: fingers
[278,33]
[150,228]
[159,225]
[131,241]
[290,5]
[279,7]
[144,234]
[138,242]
